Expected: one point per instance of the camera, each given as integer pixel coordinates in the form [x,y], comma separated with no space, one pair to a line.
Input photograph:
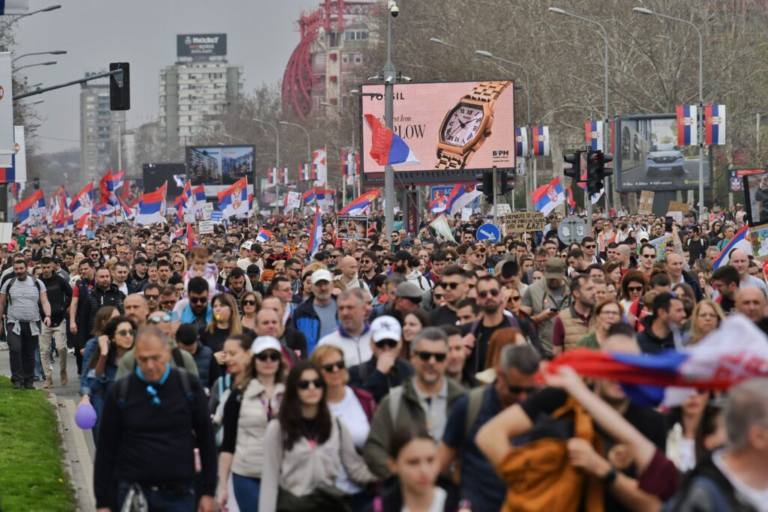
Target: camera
[394,10]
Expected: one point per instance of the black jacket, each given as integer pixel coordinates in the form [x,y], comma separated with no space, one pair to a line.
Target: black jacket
[59,296]
[650,343]
[295,340]
[366,376]
[99,298]
[135,283]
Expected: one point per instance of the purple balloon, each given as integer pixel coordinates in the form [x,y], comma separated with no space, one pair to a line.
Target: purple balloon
[85,416]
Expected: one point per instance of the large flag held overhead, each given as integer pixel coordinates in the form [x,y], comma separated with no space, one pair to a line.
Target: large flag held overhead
[234,200]
[439,204]
[361,205]
[25,209]
[152,207]
[714,125]
[687,125]
[461,196]
[82,203]
[547,197]
[387,148]
[740,240]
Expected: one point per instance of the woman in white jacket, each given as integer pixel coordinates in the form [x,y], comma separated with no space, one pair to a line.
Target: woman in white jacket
[248,410]
[305,448]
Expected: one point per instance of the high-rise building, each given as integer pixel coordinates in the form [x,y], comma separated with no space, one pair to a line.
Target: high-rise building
[196,90]
[100,129]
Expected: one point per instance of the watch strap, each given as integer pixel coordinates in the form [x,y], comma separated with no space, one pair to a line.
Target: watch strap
[488,91]
[609,477]
[447,160]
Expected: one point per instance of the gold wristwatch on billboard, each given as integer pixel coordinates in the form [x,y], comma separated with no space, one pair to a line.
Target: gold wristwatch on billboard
[467,125]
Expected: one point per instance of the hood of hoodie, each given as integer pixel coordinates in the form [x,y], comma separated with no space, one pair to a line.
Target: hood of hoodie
[648,332]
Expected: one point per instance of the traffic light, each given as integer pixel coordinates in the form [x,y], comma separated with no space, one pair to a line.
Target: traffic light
[507,182]
[575,160]
[487,186]
[120,87]
[596,170]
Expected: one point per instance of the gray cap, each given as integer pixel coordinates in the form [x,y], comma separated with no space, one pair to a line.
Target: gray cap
[408,290]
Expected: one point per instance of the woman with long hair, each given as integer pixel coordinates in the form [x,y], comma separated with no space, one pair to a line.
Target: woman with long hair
[633,286]
[706,317]
[607,313]
[354,407]
[237,357]
[613,274]
[683,423]
[250,306]
[225,322]
[100,369]
[247,412]
[179,264]
[305,448]
[417,486]
[413,323]
[306,285]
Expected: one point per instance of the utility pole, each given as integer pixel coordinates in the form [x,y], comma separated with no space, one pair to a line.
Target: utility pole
[390,76]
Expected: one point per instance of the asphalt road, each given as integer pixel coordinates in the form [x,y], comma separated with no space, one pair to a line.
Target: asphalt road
[669,180]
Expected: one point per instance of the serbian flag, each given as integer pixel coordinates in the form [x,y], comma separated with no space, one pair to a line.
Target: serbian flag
[320,166]
[362,204]
[152,207]
[438,205]
[310,195]
[272,176]
[307,172]
[547,197]
[127,212]
[387,148]
[540,141]
[191,241]
[24,208]
[736,351]
[461,196]
[521,141]
[283,175]
[740,240]
[264,235]
[63,224]
[594,134]
[234,200]
[687,125]
[82,202]
[571,201]
[714,127]
[178,232]
[83,224]
[316,235]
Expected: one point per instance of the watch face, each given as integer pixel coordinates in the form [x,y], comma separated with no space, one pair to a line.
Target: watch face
[462,125]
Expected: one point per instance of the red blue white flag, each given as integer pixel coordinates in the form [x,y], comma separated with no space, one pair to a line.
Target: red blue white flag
[547,197]
[714,127]
[594,134]
[387,148]
[540,138]
[687,125]
[82,203]
[361,205]
[521,141]
[234,200]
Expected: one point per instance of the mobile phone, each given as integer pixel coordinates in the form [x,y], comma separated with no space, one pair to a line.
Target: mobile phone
[668,221]
[554,310]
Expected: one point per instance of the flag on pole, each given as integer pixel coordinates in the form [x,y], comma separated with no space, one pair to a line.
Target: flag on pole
[439,204]
[594,134]
[521,141]
[84,224]
[320,167]
[234,200]
[264,235]
[547,197]
[24,209]
[361,205]
[541,141]
[571,200]
[714,127]
[17,172]
[741,240]
[687,125]
[387,148]
[152,207]
[307,172]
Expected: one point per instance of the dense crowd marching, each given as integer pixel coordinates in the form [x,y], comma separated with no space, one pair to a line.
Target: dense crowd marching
[246,374]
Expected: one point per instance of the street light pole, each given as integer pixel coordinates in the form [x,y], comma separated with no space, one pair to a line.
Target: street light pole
[309,142]
[699,124]
[277,157]
[390,76]
[54,52]
[17,19]
[50,63]
[606,129]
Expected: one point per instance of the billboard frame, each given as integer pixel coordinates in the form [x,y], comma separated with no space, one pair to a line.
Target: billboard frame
[428,177]
[252,178]
[619,183]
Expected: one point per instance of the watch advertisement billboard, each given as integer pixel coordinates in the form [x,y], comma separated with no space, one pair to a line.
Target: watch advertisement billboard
[454,129]
[217,167]
[201,46]
[648,156]
[156,174]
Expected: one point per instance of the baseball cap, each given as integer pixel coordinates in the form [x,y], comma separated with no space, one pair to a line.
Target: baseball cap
[139,260]
[321,275]
[253,270]
[406,290]
[246,245]
[263,343]
[385,328]
[554,268]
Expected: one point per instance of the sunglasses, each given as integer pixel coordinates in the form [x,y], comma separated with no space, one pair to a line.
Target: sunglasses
[178,262]
[515,298]
[450,260]
[483,294]
[151,297]
[125,332]
[517,390]
[317,384]
[170,303]
[268,356]
[590,246]
[426,356]
[330,368]
[160,319]
[479,252]
[249,303]
[451,286]
[651,256]
[635,288]
[386,343]
[198,300]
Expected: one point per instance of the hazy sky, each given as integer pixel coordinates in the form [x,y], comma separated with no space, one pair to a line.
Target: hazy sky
[261,35]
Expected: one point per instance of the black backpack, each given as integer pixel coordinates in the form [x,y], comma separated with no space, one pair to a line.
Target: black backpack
[122,388]
[37,284]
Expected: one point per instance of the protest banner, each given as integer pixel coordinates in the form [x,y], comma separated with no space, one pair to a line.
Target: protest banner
[521,222]
[351,227]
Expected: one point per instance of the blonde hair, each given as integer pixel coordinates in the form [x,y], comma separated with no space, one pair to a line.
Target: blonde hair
[696,334]
[324,351]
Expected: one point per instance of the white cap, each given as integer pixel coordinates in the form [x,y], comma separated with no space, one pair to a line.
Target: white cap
[321,275]
[247,245]
[385,328]
[263,343]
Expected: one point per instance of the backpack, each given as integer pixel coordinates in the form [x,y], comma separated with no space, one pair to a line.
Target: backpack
[186,384]
[539,475]
[225,388]
[37,284]
[177,358]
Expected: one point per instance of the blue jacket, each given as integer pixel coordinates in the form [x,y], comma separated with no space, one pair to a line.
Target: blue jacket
[306,320]
[96,387]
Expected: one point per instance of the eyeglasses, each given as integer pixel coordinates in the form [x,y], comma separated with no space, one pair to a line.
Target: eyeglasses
[330,368]
[635,288]
[452,286]
[295,269]
[439,296]
[386,343]
[317,384]
[483,294]
[367,261]
[168,304]
[151,297]
[426,356]
[450,260]
[268,356]
[125,332]
[651,256]
[198,300]
[249,303]
[517,390]
[160,319]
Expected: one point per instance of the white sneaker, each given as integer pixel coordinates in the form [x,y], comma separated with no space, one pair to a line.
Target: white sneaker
[70,351]
[3,345]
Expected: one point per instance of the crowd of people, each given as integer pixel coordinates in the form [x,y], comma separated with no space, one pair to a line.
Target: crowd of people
[392,376]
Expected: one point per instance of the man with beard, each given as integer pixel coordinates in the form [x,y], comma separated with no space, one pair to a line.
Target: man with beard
[438,260]
[139,275]
[195,309]
[405,264]
[454,281]
[726,281]
[316,316]
[544,299]
[572,323]
[368,268]
[103,294]
[59,295]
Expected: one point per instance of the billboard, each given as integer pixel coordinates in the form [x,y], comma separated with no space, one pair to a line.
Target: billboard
[201,46]
[217,167]
[156,174]
[647,156]
[455,129]
[756,198]
[736,184]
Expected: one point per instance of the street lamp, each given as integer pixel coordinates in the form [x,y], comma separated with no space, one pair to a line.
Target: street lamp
[440,41]
[648,12]
[15,20]
[306,132]
[54,52]
[51,63]
[603,32]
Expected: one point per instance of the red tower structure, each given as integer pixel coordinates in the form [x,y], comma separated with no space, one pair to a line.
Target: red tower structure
[321,31]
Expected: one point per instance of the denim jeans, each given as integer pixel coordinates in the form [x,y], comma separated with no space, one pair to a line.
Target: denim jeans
[161,500]
[247,492]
